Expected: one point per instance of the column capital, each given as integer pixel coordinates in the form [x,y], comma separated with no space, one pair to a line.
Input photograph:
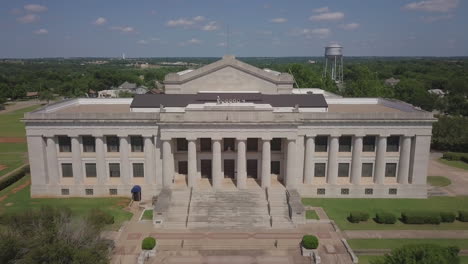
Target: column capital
[267,138]
[291,138]
[97,135]
[410,135]
[121,135]
[191,138]
[359,135]
[335,135]
[147,135]
[384,135]
[242,138]
[310,135]
[217,138]
[165,138]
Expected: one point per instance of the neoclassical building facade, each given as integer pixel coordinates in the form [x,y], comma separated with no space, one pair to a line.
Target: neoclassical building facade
[230,120]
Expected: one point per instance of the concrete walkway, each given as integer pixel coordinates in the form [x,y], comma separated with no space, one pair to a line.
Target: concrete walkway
[414,234]
[459,177]
[20,105]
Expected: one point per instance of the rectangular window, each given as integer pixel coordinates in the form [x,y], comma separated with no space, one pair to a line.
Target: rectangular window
[319,170]
[113,144]
[183,167]
[89,144]
[182,144]
[112,191]
[275,167]
[229,144]
[390,170]
[138,170]
[345,144]
[367,170]
[343,169]
[321,191]
[252,144]
[321,143]
[368,144]
[64,144]
[136,143]
[276,144]
[344,191]
[90,170]
[89,191]
[67,170]
[393,144]
[392,191]
[368,191]
[65,191]
[205,144]
[114,170]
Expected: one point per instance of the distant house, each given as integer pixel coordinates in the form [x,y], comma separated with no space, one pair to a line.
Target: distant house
[32,95]
[127,86]
[92,94]
[437,92]
[132,88]
[108,94]
[392,81]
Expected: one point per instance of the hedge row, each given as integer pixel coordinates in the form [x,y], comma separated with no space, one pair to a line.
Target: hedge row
[456,156]
[414,217]
[14,177]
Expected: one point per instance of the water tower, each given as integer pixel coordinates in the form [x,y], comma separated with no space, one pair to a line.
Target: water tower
[334,62]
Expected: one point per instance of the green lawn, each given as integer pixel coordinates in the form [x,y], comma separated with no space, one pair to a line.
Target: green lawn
[339,209]
[147,215]
[395,243]
[311,214]
[365,259]
[455,163]
[22,201]
[11,125]
[11,161]
[438,181]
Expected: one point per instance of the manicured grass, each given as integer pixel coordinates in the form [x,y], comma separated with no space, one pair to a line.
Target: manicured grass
[463,259]
[366,259]
[11,125]
[11,161]
[21,201]
[311,214]
[438,181]
[147,215]
[339,209]
[395,243]
[455,163]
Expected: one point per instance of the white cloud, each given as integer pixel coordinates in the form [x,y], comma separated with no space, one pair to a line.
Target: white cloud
[192,41]
[321,10]
[278,20]
[155,39]
[29,18]
[41,31]
[330,16]
[35,8]
[180,22]
[199,18]
[433,5]
[142,42]
[221,44]
[265,32]
[125,29]
[211,26]
[430,19]
[100,21]
[350,26]
[312,33]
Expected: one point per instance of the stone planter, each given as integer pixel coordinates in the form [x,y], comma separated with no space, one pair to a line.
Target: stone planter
[308,252]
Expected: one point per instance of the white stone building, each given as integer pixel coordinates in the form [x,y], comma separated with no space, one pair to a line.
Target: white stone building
[229,121]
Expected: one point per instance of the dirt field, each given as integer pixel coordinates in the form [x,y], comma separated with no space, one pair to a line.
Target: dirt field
[12,140]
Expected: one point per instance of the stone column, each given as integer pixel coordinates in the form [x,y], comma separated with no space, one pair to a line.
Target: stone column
[52,161]
[192,163]
[380,159]
[216,172]
[420,159]
[38,164]
[332,165]
[241,177]
[309,165]
[158,160]
[404,162]
[100,160]
[125,175]
[76,158]
[356,163]
[150,173]
[291,162]
[168,169]
[266,163]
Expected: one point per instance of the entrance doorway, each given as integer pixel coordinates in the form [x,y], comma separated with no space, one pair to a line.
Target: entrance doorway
[229,168]
[183,167]
[205,168]
[252,170]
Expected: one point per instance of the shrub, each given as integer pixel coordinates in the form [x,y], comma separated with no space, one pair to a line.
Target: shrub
[310,242]
[100,218]
[463,216]
[356,217]
[13,177]
[385,218]
[447,217]
[456,156]
[421,218]
[421,253]
[148,243]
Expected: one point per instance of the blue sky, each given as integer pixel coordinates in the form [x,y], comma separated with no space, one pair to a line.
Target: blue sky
[172,28]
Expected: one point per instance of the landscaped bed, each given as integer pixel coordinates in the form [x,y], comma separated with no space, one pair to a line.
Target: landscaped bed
[147,215]
[438,181]
[339,210]
[311,214]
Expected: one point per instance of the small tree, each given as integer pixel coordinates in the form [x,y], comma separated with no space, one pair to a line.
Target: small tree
[148,243]
[46,95]
[310,242]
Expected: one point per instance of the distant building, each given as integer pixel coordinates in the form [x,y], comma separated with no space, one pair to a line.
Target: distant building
[32,95]
[392,82]
[131,88]
[437,92]
[108,94]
